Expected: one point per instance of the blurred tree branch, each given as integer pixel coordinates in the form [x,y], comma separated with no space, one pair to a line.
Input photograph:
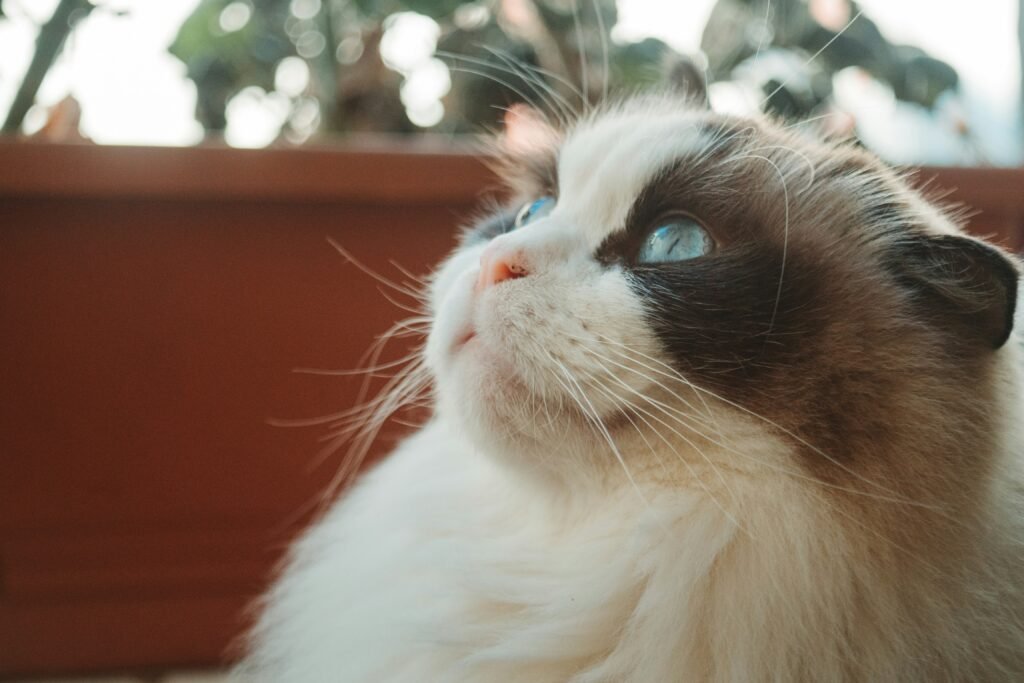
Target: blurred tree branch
[49,43]
[491,46]
[791,49]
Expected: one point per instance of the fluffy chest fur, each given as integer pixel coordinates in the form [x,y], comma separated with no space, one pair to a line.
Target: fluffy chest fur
[474,576]
[718,403]
[469,575]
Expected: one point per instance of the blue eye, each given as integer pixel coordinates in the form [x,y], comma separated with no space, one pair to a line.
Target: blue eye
[680,239]
[534,210]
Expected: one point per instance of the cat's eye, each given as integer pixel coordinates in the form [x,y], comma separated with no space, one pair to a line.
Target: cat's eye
[538,208]
[679,239]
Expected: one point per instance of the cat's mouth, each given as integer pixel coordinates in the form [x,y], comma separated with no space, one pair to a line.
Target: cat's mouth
[463,338]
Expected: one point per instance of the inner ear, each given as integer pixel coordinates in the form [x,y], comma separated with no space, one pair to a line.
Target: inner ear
[684,76]
[964,283]
[527,154]
[527,131]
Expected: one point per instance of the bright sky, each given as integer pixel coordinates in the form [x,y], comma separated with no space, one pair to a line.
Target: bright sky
[130,89]
[133,92]
[978,38]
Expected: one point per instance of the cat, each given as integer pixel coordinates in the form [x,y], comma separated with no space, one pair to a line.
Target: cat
[713,401]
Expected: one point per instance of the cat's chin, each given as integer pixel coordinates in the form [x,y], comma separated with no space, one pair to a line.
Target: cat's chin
[476,361]
[482,392]
[483,384]
[496,430]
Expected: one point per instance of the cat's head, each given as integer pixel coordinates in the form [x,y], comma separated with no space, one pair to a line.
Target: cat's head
[665,277]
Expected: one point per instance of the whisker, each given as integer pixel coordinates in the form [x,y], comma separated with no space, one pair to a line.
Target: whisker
[676,376]
[785,238]
[604,51]
[399,304]
[373,354]
[764,28]
[889,541]
[590,412]
[522,68]
[581,47]
[663,408]
[795,152]
[810,119]
[693,473]
[817,54]
[355,371]
[540,70]
[892,497]
[396,396]
[687,420]
[552,100]
[412,293]
[418,279]
[500,81]
[365,410]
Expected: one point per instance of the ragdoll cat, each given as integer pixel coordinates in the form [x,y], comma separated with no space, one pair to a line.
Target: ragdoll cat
[713,402]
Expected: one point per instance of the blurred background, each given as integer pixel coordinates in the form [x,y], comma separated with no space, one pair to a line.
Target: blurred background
[917,81]
[177,330]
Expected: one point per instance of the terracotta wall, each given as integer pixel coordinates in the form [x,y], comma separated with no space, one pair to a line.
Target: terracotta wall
[153,306]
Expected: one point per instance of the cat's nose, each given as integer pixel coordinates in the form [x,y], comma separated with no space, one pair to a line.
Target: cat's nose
[499,263]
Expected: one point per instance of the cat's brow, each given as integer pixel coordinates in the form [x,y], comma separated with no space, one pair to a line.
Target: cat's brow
[605,166]
[543,168]
[683,185]
[535,173]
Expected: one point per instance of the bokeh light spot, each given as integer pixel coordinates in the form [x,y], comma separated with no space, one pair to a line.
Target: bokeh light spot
[235,17]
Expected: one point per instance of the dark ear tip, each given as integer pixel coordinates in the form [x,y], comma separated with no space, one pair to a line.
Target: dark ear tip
[964,285]
[686,76]
[1011,276]
[989,271]
[1007,270]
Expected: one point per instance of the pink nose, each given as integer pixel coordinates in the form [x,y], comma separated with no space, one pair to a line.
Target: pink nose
[498,264]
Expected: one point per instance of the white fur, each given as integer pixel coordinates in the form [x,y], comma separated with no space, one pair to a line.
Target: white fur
[504,542]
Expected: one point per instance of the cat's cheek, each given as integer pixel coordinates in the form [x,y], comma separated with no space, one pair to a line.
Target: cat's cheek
[452,321]
[452,272]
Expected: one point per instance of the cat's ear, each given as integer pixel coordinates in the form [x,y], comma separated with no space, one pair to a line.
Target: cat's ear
[527,131]
[527,159]
[685,76]
[964,283]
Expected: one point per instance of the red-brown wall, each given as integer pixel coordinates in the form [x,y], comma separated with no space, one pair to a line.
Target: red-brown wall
[153,306]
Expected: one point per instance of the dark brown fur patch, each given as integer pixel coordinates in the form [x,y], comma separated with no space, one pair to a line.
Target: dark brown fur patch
[809,311]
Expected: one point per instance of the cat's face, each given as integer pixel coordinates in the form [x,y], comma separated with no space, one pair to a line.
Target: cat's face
[670,269]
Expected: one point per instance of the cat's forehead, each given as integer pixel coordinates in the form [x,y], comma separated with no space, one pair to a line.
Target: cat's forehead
[622,169]
[607,161]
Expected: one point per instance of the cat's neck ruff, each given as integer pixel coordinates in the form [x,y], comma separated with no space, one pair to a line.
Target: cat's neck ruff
[496,581]
[713,401]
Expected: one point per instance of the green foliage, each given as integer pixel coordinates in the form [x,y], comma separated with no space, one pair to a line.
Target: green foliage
[431,8]
[501,52]
[222,63]
[789,54]
[490,55]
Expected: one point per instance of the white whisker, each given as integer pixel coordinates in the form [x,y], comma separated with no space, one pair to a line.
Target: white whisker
[785,236]
[817,54]
[590,412]
[602,31]
[547,73]
[502,82]
[640,412]
[567,112]
[402,289]
[553,100]
[764,28]
[582,48]
[892,497]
